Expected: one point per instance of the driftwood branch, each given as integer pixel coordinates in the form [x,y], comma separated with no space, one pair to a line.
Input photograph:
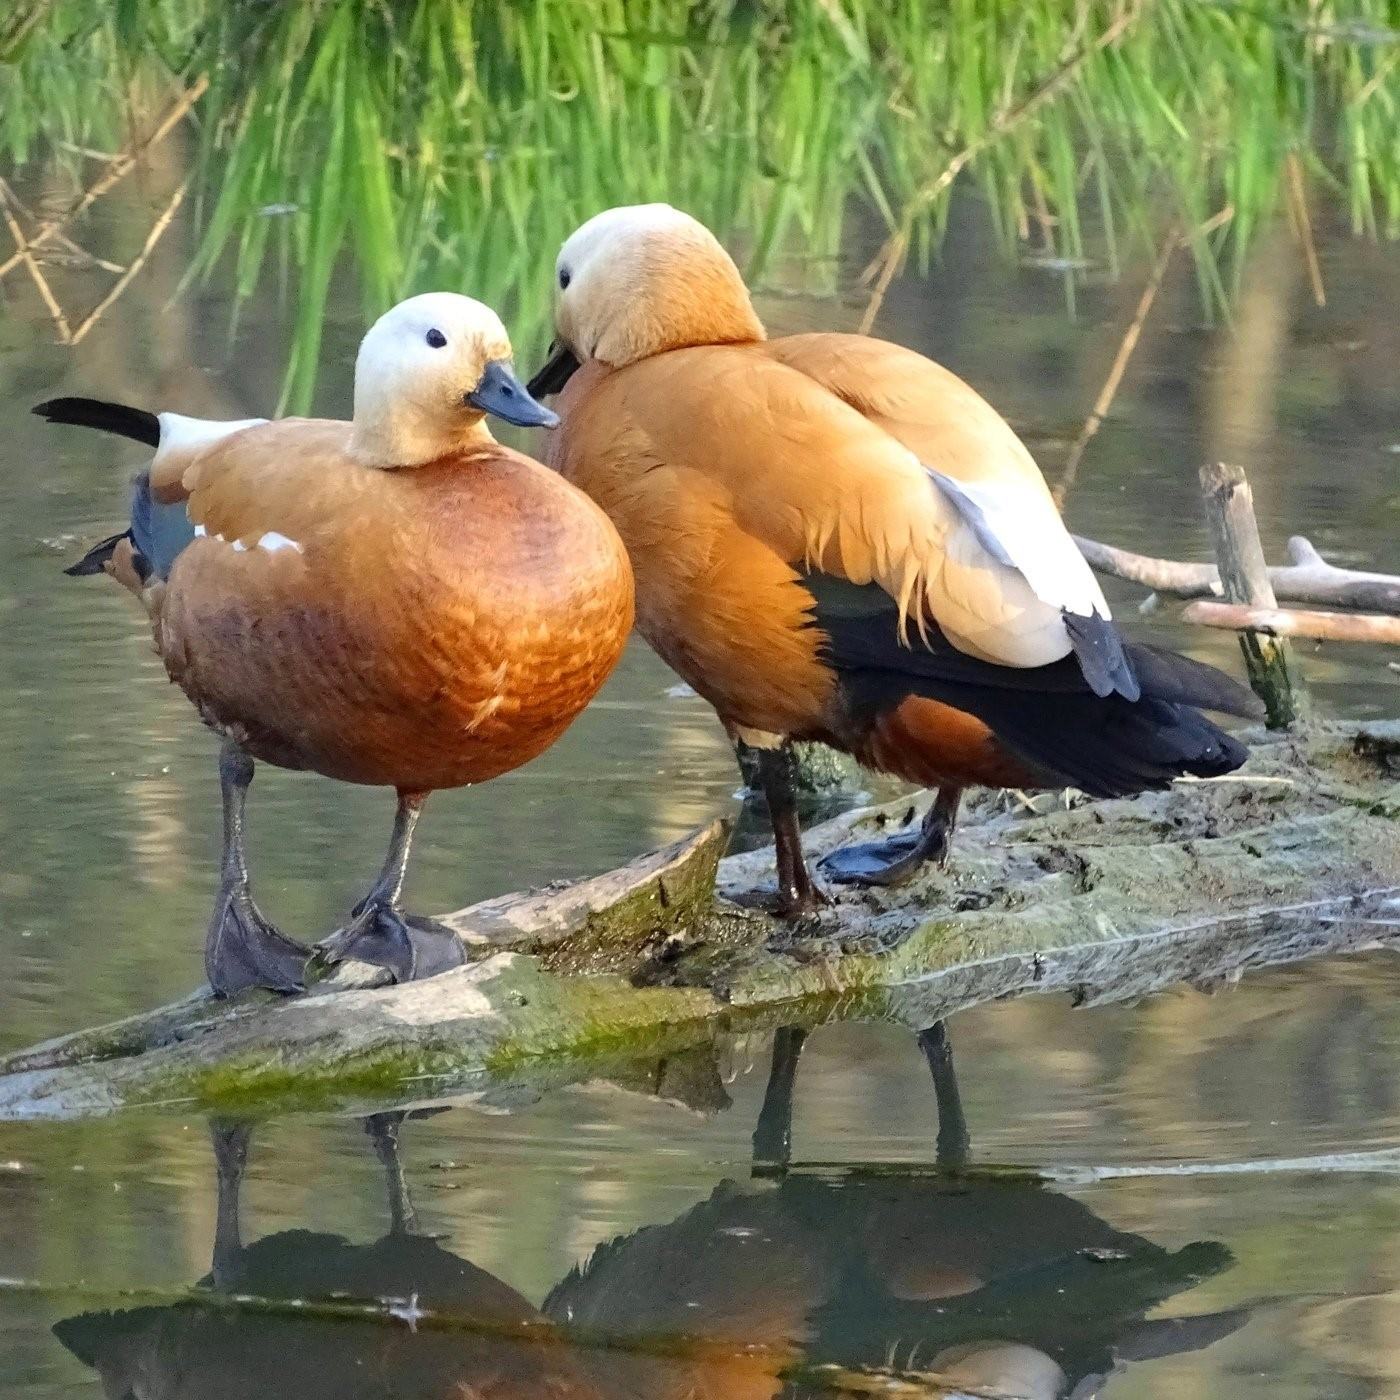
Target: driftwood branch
[1292,622]
[1106,900]
[1306,578]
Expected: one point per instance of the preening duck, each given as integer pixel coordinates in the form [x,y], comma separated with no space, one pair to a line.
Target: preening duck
[836,539]
[399,601]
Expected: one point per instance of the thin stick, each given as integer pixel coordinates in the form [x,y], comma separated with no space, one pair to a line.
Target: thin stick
[7,192]
[23,254]
[1126,346]
[1175,239]
[1291,622]
[890,257]
[117,168]
[125,280]
[1302,223]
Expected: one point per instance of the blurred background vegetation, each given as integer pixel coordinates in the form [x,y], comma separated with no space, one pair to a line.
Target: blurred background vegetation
[434,143]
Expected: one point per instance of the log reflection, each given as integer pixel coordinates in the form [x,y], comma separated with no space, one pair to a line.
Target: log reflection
[796,1283]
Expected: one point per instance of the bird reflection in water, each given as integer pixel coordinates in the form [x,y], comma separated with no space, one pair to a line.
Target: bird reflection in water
[796,1284]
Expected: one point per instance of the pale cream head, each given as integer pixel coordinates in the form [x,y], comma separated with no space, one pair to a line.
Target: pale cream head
[645,278]
[427,373]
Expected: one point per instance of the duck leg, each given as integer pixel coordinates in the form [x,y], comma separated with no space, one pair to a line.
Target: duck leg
[898,858]
[954,1141]
[798,893]
[242,948]
[383,1131]
[230,1140]
[772,1135]
[407,946]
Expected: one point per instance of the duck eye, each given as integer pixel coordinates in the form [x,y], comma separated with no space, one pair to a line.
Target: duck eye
[436,338]
[563,278]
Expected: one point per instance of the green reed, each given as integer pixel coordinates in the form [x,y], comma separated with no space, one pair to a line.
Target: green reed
[438,143]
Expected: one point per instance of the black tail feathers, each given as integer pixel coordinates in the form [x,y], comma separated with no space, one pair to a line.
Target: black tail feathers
[118,418]
[93,561]
[1165,675]
[1110,747]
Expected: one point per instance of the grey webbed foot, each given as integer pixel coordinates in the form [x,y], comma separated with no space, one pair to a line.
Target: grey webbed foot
[243,949]
[898,858]
[408,946]
[893,861]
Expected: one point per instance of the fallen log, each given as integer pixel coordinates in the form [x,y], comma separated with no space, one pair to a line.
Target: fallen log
[1296,855]
[1295,622]
[1306,578]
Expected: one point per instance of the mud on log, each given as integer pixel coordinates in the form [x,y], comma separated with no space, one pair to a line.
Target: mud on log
[1296,855]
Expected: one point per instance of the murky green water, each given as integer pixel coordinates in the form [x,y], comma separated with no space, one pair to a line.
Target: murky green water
[701,1276]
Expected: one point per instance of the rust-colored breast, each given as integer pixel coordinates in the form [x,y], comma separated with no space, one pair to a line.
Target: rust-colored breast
[430,627]
[718,604]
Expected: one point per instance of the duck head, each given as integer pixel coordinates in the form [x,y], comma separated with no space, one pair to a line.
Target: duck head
[639,280]
[427,374]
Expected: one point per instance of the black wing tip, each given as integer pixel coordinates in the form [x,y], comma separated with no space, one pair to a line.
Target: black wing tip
[119,418]
[1098,647]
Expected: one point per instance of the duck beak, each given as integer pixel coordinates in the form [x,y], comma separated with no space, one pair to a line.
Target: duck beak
[556,370]
[502,394]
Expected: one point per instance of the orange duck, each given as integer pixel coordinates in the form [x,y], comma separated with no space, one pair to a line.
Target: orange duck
[400,601]
[836,539]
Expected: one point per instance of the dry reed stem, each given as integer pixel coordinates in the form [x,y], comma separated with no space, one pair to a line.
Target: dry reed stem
[1302,225]
[117,169]
[125,280]
[26,258]
[891,256]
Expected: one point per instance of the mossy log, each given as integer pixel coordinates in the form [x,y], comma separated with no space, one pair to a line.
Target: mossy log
[1296,855]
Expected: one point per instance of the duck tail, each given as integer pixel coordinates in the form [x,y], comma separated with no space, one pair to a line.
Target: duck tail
[157,532]
[95,560]
[118,418]
[1111,747]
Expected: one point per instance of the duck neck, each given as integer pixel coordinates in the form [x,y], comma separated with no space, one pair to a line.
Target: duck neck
[701,305]
[388,437]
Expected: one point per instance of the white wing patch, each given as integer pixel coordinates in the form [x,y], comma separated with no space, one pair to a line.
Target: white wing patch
[1024,532]
[274,540]
[183,436]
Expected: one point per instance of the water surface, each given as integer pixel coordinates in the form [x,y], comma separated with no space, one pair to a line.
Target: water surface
[724,1281]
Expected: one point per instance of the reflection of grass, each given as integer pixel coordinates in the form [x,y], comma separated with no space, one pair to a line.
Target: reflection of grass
[446,144]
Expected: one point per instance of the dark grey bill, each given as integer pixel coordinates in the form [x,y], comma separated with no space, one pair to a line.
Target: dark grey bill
[502,394]
[556,371]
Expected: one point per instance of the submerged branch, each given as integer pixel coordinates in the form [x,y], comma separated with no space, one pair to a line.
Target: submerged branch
[116,170]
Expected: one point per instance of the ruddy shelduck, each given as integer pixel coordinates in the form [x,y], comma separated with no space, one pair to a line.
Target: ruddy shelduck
[399,600]
[836,539]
